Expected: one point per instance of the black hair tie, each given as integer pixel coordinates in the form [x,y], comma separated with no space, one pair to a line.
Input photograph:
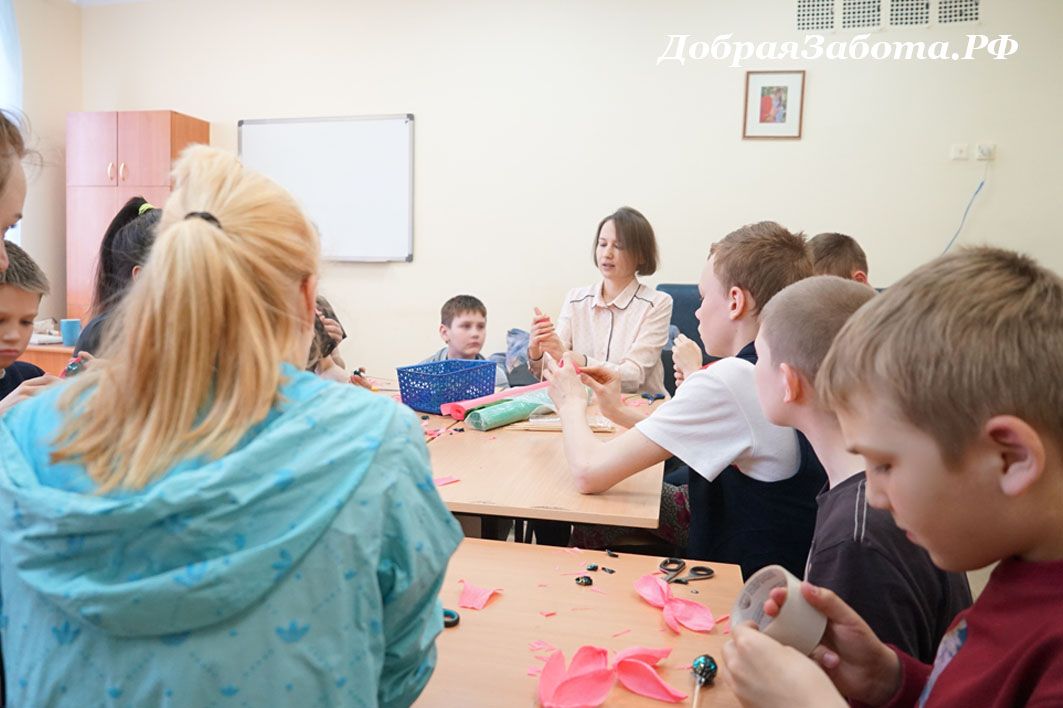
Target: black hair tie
[205,215]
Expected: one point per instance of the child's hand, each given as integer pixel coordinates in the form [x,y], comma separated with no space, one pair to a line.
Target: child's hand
[605,383]
[3,256]
[565,385]
[862,667]
[88,360]
[358,379]
[544,338]
[332,328]
[27,389]
[686,357]
[763,672]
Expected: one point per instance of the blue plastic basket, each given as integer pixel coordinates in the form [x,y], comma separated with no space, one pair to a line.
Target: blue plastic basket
[425,387]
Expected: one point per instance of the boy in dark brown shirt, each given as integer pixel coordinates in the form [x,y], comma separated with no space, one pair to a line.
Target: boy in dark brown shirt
[857,551]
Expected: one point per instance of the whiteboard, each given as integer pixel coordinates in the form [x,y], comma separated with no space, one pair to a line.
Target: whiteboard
[352,175]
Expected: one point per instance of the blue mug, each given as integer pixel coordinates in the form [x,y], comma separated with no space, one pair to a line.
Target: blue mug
[71,330]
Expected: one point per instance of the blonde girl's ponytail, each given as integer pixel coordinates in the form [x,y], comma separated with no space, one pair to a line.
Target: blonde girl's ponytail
[195,354]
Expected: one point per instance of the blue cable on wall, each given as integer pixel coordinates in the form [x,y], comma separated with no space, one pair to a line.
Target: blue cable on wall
[967,211]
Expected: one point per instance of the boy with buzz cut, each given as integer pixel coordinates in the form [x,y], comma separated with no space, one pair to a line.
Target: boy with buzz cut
[752,484]
[949,386]
[22,286]
[463,328]
[840,255]
[857,551]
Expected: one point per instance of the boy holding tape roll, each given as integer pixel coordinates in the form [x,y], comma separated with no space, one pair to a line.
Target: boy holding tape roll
[949,385]
[857,551]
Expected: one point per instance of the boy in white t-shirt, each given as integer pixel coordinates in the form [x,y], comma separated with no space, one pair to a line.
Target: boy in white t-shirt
[753,484]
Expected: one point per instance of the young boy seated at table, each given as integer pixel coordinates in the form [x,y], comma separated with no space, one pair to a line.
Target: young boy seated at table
[948,384]
[857,551]
[463,327]
[753,485]
[840,255]
[22,286]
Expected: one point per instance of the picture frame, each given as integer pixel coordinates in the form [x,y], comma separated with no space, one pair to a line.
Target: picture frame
[774,105]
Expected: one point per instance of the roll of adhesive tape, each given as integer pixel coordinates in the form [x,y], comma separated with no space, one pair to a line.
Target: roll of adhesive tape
[798,624]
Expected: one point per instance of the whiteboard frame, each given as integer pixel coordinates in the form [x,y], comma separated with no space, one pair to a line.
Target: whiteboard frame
[408,117]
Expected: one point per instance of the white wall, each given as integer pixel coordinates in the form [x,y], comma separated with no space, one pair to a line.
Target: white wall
[534,119]
[50,33]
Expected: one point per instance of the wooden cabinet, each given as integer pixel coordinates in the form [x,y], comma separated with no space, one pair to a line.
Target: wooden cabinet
[112,157]
[53,358]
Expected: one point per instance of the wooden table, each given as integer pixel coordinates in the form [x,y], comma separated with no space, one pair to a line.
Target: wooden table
[524,475]
[53,358]
[485,660]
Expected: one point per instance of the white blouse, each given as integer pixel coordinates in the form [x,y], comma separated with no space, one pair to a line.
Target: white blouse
[626,334]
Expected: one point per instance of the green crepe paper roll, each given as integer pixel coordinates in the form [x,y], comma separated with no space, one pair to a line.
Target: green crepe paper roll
[512,410]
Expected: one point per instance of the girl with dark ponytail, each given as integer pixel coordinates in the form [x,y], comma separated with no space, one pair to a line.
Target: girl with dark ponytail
[123,252]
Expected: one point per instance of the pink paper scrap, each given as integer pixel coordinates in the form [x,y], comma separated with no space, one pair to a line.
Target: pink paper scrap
[547,613]
[540,645]
[475,597]
[621,633]
[534,670]
[443,481]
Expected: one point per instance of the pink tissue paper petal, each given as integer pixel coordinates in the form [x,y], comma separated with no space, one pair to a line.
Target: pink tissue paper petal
[647,655]
[690,614]
[669,617]
[653,590]
[540,645]
[534,671]
[441,481]
[588,658]
[587,689]
[553,672]
[640,678]
[474,597]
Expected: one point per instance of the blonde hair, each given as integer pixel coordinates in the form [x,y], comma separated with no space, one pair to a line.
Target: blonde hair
[968,336]
[12,144]
[802,320]
[199,340]
[762,259]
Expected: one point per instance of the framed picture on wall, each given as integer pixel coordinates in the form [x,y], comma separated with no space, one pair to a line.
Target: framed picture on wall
[775,102]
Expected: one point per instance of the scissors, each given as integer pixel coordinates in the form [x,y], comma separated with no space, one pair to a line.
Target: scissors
[674,566]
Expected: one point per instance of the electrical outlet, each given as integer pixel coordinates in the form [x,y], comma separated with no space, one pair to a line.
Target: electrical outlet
[986,151]
[958,152]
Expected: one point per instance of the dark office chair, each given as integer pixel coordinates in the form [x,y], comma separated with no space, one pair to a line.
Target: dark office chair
[685,302]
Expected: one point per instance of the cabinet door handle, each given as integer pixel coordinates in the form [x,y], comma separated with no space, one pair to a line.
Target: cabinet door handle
[110,171]
[121,172]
